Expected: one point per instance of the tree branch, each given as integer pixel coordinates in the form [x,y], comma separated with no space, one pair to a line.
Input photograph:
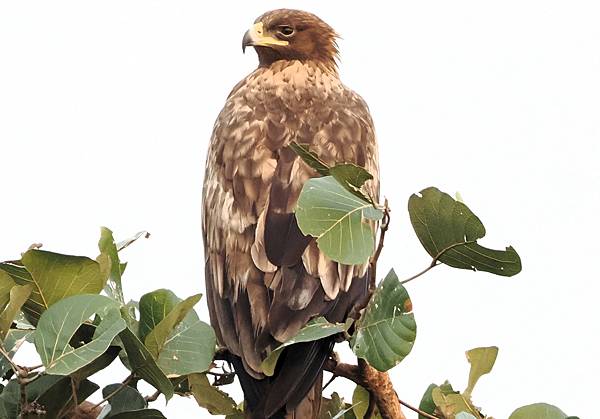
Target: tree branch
[378,384]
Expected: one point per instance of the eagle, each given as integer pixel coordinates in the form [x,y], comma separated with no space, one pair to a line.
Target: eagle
[264,278]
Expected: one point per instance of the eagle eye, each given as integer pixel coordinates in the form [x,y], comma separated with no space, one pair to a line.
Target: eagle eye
[286,30]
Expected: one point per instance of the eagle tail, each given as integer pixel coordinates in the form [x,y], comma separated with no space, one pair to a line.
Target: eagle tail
[295,388]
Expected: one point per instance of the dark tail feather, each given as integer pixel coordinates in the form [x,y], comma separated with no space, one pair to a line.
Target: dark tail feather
[298,371]
[298,368]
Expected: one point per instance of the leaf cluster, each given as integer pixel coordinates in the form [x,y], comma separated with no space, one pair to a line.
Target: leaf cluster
[74,311]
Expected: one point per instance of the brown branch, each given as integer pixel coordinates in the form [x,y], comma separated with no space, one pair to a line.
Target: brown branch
[23,378]
[377,383]
[383,228]
[153,397]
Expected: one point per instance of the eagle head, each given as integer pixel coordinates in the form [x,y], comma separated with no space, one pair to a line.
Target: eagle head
[286,34]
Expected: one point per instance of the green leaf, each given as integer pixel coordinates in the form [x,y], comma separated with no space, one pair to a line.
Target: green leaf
[335,408]
[18,295]
[141,363]
[12,342]
[155,340]
[54,277]
[352,177]
[6,284]
[59,323]
[126,399]
[211,398]
[328,211]
[482,361]
[154,307]
[310,158]
[386,332]
[180,342]
[360,403]
[106,244]
[139,414]
[427,405]
[538,411]
[450,403]
[189,348]
[315,329]
[448,228]
[98,364]
[52,393]
[58,397]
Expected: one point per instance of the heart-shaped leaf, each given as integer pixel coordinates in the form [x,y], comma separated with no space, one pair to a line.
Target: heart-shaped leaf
[123,399]
[449,231]
[154,307]
[155,340]
[386,332]
[315,329]
[538,411]
[59,323]
[338,219]
[179,341]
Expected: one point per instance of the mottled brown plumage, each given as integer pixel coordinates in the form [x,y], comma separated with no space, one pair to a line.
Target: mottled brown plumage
[264,278]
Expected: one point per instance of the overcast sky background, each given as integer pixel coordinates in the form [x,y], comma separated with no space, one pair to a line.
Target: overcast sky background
[106,109]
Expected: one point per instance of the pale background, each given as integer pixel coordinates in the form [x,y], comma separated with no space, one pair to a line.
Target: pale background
[106,109]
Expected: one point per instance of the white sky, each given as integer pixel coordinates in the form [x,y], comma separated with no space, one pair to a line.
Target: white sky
[106,109]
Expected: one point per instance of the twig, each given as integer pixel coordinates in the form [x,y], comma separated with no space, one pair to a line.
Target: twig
[74,386]
[435,261]
[371,407]
[333,377]
[417,410]
[383,228]
[23,378]
[6,355]
[119,389]
[153,397]
[385,225]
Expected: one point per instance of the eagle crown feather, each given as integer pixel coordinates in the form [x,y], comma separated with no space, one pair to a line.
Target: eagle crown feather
[286,34]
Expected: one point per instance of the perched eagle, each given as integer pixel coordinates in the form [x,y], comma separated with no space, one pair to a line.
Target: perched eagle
[264,278]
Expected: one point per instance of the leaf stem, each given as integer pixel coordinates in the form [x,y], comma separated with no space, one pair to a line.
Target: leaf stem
[435,261]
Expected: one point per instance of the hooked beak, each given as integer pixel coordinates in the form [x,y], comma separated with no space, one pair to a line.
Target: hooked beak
[256,37]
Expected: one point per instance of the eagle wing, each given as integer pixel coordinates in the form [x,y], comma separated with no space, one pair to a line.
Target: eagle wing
[265,280]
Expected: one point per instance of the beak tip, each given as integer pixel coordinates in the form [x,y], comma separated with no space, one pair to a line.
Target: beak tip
[247,40]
